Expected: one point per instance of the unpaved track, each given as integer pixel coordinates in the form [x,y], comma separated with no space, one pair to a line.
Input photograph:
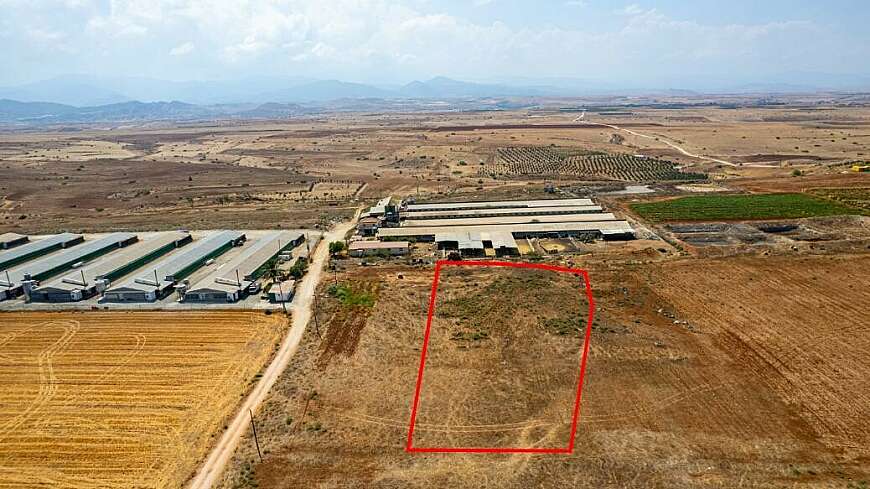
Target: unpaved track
[661,140]
[210,471]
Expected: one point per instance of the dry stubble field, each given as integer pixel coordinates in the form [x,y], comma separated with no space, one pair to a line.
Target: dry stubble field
[737,372]
[121,399]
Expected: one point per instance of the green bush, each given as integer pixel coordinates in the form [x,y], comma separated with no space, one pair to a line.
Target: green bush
[336,247]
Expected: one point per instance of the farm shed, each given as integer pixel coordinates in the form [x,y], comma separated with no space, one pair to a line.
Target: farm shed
[214,292]
[281,292]
[10,240]
[556,229]
[29,251]
[95,277]
[24,277]
[368,226]
[516,211]
[468,243]
[369,248]
[485,221]
[496,204]
[382,208]
[231,281]
[157,281]
[501,242]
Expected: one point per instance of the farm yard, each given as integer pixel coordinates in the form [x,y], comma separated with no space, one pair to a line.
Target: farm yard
[548,162]
[121,399]
[741,207]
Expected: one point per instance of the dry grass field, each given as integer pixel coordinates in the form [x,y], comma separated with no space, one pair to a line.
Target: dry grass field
[303,169]
[738,372]
[121,399]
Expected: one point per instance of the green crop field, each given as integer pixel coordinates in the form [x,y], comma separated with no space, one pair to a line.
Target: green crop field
[740,207]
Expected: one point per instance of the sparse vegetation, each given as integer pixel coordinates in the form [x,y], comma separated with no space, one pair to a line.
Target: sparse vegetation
[549,162]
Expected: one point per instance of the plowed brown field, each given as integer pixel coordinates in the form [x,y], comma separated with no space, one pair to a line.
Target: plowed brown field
[121,399]
[703,373]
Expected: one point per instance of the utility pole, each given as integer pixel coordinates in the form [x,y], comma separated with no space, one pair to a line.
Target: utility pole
[254,429]
[281,291]
[316,323]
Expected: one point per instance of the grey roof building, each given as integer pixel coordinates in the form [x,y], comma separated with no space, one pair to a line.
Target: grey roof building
[513,211]
[29,251]
[10,240]
[231,281]
[496,204]
[19,279]
[96,276]
[486,221]
[611,229]
[157,281]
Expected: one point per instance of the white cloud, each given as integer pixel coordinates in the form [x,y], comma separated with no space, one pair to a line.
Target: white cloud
[632,9]
[182,49]
[387,39]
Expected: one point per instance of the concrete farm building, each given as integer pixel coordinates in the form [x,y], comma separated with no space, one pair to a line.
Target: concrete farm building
[11,240]
[94,277]
[35,249]
[490,228]
[26,276]
[232,281]
[158,280]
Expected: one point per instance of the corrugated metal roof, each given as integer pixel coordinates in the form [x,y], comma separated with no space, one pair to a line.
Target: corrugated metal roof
[467,213]
[376,245]
[251,258]
[65,258]
[484,221]
[18,252]
[500,239]
[497,204]
[191,255]
[400,232]
[115,261]
[10,237]
[154,276]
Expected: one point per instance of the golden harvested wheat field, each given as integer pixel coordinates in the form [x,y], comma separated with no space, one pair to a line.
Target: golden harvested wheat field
[121,399]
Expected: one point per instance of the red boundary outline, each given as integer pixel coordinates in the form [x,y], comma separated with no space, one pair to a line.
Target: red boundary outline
[576,415]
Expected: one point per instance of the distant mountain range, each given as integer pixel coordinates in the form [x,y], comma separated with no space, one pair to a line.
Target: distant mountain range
[85,99]
[82,91]
[39,113]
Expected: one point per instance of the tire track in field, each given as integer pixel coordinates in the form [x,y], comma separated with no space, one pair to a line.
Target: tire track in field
[47,377]
[402,424]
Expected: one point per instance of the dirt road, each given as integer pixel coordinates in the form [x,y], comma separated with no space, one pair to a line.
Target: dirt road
[211,470]
[659,139]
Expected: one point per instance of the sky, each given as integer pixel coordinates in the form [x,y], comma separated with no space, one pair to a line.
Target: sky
[663,43]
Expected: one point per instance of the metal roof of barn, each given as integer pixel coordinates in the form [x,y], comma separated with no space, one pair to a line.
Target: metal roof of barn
[11,238]
[484,221]
[500,204]
[154,278]
[238,272]
[15,254]
[468,213]
[66,258]
[556,227]
[115,261]
[376,245]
